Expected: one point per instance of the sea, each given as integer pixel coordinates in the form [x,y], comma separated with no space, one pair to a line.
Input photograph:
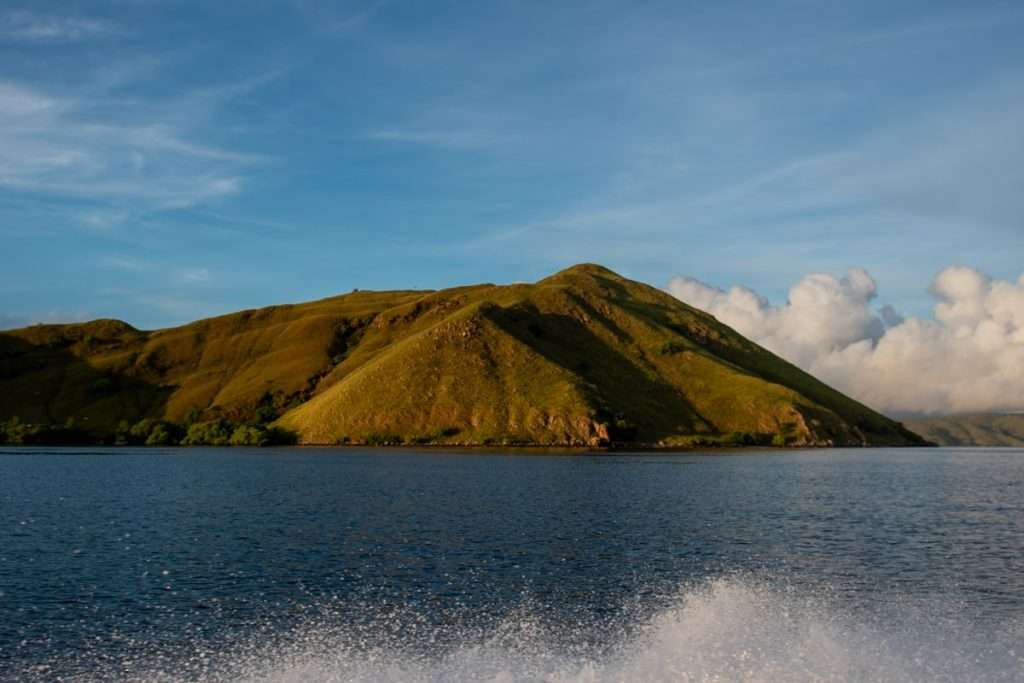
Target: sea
[348,564]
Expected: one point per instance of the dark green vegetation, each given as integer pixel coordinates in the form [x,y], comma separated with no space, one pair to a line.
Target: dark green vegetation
[147,432]
[582,358]
[986,429]
[14,431]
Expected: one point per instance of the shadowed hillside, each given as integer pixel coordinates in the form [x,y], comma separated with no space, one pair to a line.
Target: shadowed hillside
[584,357]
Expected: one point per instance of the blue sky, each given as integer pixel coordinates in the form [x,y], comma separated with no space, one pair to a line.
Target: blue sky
[163,161]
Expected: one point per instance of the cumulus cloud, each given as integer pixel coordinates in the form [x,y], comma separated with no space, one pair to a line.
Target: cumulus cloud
[968,357]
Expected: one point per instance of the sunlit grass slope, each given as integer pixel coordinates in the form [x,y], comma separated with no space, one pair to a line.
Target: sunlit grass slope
[585,357]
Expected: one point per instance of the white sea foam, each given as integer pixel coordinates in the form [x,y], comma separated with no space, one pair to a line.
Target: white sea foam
[726,630]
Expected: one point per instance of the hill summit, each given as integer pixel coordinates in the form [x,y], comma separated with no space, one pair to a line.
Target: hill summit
[585,357]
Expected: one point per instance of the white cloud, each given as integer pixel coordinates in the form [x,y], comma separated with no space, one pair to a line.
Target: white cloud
[125,263]
[195,275]
[19,102]
[339,17]
[53,146]
[969,357]
[24,26]
[466,138]
[960,162]
[103,220]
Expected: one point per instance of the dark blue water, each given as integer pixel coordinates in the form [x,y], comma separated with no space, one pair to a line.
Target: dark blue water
[301,564]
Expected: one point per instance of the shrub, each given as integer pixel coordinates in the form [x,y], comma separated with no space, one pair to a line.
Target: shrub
[622,429]
[787,434]
[672,347]
[209,433]
[376,439]
[244,435]
[151,432]
[438,436]
[139,431]
[742,439]
[15,432]
[160,436]
[266,413]
[122,434]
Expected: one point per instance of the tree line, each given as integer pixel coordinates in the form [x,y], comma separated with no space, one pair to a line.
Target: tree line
[148,432]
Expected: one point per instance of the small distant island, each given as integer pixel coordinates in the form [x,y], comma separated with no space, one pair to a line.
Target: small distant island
[584,358]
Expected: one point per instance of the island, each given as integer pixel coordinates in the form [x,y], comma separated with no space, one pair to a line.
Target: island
[583,358]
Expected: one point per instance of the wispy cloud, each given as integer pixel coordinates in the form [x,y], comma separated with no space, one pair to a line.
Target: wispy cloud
[962,160]
[931,176]
[26,26]
[125,263]
[477,119]
[466,139]
[333,17]
[17,101]
[103,220]
[53,145]
[195,275]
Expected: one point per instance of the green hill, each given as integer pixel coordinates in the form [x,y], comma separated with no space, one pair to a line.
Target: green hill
[584,357]
[983,429]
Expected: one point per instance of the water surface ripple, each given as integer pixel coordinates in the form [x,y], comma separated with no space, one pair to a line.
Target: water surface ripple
[339,565]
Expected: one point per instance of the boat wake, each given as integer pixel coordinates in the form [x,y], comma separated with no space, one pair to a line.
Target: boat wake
[725,630]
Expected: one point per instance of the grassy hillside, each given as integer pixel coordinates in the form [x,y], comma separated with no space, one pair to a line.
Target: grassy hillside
[972,430]
[584,357]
